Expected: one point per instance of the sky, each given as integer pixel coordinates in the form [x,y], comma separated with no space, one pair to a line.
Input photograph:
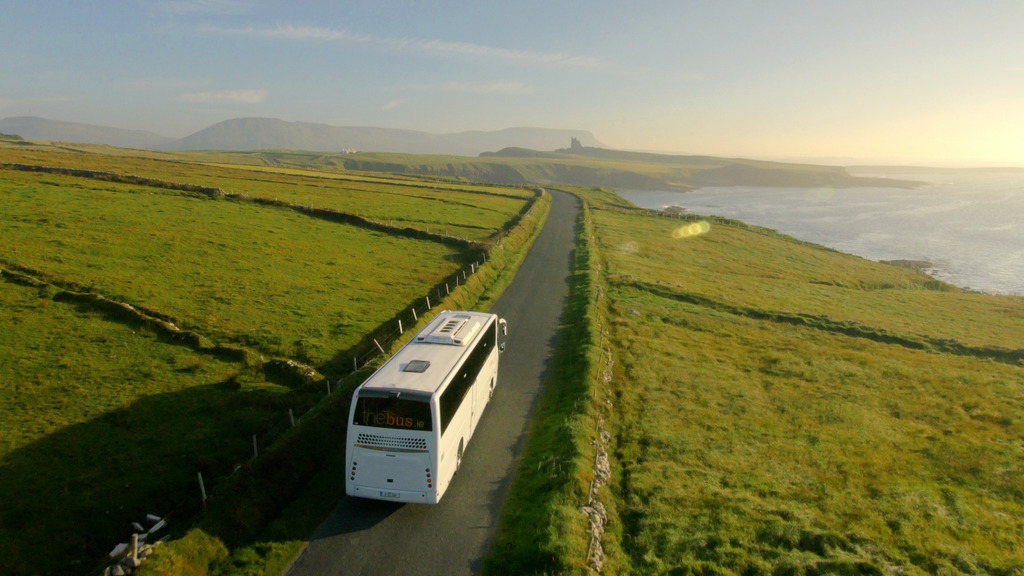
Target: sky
[903,81]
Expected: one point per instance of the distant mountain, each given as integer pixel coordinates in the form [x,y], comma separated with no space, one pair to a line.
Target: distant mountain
[32,128]
[269,133]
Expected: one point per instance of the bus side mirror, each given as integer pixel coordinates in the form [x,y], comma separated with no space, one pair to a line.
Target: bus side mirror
[503,331]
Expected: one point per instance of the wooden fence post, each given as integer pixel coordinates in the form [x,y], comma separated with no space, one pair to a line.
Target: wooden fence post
[202,488]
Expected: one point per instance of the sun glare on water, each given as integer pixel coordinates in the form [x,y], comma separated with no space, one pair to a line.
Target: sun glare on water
[691,230]
[819,194]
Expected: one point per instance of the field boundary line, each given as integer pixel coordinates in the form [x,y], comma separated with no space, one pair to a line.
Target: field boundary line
[843,327]
[161,324]
[326,214]
[115,177]
[399,180]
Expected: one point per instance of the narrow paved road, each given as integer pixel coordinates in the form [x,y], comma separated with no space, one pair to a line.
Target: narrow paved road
[367,537]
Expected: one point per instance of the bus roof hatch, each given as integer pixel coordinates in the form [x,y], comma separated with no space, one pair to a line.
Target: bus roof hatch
[455,330]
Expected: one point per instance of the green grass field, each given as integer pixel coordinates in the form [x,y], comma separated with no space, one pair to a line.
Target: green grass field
[273,279]
[742,266]
[104,419]
[472,212]
[781,408]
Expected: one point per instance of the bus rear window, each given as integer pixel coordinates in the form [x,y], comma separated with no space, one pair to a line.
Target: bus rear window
[393,412]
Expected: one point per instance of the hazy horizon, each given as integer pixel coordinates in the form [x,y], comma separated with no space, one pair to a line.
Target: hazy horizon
[935,83]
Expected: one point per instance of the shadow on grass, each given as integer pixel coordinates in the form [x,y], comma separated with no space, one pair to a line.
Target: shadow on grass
[67,499]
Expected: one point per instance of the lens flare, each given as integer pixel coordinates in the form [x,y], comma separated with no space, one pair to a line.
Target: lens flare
[691,230]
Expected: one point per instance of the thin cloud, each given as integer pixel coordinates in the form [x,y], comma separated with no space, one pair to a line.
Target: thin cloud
[10,102]
[288,32]
[414,45]
[481,51]
[190,7]
[225,97]
[478,88]
[154,83]
[393,104]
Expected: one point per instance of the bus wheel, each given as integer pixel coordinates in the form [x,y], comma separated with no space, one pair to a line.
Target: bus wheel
[458,458]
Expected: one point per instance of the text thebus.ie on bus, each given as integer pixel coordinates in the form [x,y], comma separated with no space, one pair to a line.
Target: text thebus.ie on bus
[411,420]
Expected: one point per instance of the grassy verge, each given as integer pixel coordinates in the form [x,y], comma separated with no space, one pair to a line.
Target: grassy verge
[544,528]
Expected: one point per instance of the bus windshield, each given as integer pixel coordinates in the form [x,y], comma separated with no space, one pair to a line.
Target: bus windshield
[400,411]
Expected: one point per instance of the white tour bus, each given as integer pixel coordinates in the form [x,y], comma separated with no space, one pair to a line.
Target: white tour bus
[411,420]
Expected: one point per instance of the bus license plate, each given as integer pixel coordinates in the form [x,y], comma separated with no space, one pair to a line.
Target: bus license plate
[384,494]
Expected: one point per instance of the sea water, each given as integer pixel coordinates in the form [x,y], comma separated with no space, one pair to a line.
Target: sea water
[968,225]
